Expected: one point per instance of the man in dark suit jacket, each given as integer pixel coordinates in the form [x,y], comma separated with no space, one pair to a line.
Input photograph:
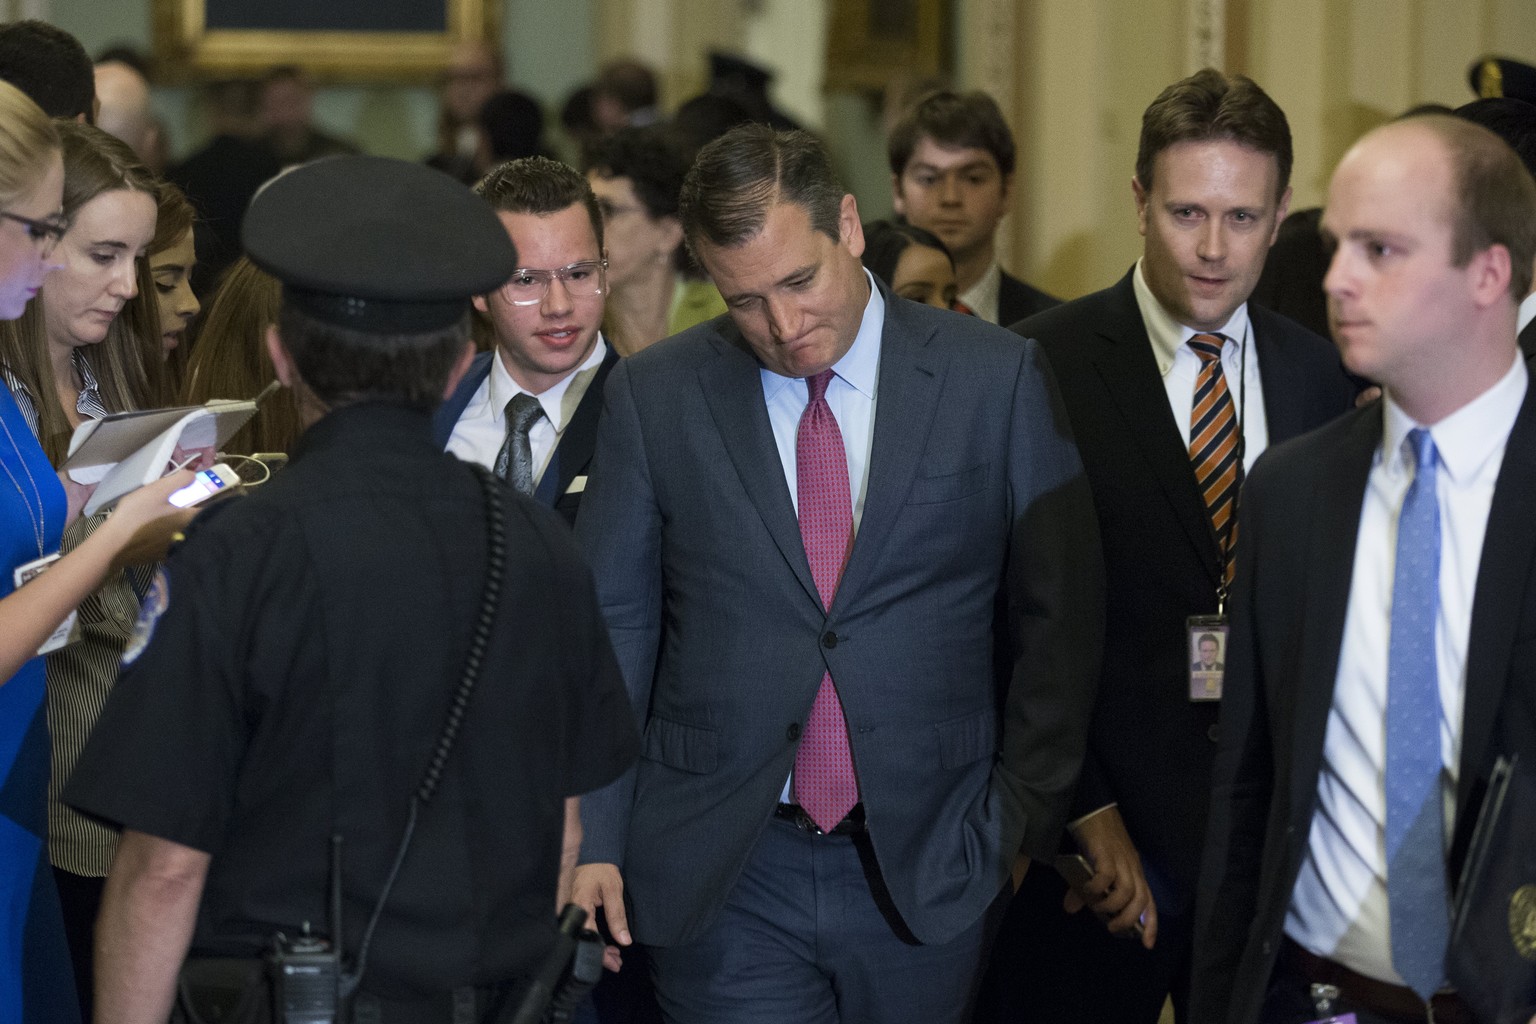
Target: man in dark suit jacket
[548,348]
[952,161]
[1331,676]
[1210,189]
[752,652]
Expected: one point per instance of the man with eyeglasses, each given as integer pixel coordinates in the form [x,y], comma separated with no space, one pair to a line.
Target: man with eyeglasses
[528,409]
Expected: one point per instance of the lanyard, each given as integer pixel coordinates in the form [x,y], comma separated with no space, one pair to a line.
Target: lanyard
[39,517]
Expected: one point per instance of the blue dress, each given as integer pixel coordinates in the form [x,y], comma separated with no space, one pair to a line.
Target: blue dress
[36,983]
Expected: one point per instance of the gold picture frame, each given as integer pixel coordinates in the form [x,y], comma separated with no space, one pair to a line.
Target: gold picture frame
[185,49]
[870,42]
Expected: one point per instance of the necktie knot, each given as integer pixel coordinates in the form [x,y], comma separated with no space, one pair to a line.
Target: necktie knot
[522,410]
[818,384]
[1207,346]
[1423,446]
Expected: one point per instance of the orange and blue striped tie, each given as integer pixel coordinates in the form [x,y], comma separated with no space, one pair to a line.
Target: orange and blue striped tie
[1213,435]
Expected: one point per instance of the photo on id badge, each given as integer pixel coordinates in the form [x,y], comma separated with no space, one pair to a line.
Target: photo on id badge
[1207,656]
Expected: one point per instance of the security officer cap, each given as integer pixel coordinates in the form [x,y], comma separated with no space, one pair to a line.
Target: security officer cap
[377,245]
[1493,77]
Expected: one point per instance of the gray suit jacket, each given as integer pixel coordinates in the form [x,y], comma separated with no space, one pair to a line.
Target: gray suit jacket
[976,514]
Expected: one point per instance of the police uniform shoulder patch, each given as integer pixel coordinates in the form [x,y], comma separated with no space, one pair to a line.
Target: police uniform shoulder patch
[155,603]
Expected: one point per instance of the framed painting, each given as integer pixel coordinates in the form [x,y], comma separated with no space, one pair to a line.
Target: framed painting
[338,40]
[870,41]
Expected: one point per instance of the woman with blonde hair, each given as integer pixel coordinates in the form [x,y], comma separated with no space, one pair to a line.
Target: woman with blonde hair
[34,506]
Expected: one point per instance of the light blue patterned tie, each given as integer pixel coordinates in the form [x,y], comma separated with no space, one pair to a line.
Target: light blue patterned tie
[1416,888]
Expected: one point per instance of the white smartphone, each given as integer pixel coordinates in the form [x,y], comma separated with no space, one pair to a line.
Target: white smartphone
[205,485]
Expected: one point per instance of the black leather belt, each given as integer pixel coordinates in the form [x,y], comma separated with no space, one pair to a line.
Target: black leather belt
[853,824]
[1394,1002]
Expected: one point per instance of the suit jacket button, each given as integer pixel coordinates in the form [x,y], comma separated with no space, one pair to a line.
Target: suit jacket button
[793,732]
[1265,947]
[1211,733]
[829,639]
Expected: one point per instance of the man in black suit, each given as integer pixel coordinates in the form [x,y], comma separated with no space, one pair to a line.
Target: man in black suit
[952,159]
[529,408]
[1384,588]
[1174,384]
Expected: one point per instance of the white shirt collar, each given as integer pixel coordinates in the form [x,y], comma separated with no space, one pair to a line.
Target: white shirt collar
[502,387]
[982,298]
[860,365]
[1167,334]
[1468,437]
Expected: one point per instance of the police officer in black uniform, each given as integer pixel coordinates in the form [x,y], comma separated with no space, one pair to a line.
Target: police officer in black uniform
[301,651]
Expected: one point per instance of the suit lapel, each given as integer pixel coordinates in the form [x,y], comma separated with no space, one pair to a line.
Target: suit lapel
[1135,387]
[1497,604]
[1528,340]
[574,451]
[1329,542]
[910,378]
[1284,382]
[733,390]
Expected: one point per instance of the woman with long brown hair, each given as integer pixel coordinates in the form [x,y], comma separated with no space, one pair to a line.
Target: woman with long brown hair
[86,348]
[166,277]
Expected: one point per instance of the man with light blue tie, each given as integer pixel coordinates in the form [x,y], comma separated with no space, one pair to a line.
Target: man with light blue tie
[1384,606]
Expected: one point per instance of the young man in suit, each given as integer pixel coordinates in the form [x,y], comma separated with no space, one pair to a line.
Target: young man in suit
[806,588]
[952,161]
[1174,384]
[1376,669]
[528,409]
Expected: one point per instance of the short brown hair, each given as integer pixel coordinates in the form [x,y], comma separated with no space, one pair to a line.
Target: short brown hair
[1493,197]
[970,120]
[539,185]
[1210,107]
[740,176]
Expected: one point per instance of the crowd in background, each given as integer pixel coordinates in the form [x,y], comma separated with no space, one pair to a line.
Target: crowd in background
[150,301]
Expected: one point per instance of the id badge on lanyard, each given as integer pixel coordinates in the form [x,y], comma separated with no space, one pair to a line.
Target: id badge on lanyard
[1205,636]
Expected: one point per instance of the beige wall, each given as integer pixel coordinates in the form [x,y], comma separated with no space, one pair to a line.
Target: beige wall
[1083,70]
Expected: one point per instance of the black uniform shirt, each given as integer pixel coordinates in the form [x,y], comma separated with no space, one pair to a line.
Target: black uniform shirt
[296,683]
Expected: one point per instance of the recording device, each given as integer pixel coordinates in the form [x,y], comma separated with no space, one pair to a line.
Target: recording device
[205,485]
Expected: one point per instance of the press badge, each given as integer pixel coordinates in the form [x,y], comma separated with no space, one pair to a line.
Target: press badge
[1207,649]
[26,573]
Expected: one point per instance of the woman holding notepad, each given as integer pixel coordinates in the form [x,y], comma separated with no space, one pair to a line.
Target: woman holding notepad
[33,510]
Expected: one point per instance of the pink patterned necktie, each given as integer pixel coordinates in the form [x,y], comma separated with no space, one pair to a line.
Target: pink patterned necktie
[824,779]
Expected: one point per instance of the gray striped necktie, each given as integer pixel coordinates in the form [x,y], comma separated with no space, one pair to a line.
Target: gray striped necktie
[514,463]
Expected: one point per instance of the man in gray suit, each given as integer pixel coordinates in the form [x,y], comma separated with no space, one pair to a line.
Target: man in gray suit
[845,551]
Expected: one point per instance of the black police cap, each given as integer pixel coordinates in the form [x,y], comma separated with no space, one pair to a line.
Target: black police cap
[377,245]
[1493,77]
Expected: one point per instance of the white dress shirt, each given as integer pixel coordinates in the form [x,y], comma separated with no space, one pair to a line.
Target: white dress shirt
[982,297]
[1179,365]
[1339,906]
[851,397]
[482,427]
